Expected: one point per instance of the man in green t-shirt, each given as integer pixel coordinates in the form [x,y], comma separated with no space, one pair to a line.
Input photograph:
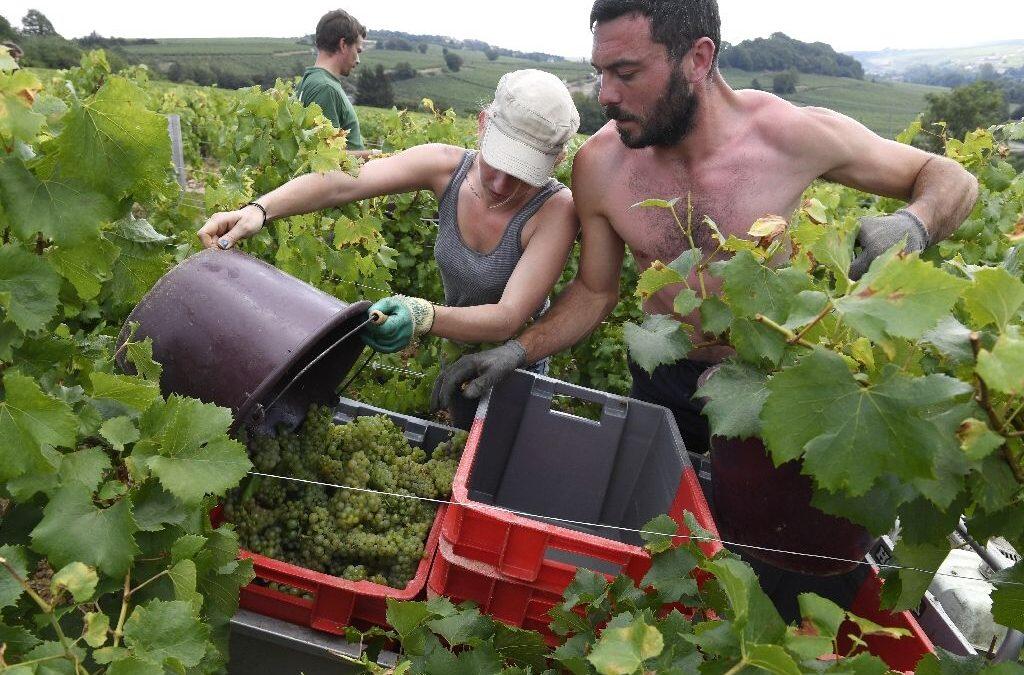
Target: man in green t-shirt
[339,41]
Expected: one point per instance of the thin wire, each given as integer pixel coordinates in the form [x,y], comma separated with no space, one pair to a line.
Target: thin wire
[382,366]
[354,375]
[629,529]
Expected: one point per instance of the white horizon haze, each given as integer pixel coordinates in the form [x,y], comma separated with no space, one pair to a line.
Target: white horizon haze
[553,27]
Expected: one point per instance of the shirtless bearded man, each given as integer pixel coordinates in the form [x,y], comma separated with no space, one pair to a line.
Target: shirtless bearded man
[676,128]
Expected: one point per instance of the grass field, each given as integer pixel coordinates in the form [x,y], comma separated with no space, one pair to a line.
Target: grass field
[884,107]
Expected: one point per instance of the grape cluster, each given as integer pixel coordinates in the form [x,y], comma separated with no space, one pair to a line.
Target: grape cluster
[360,536]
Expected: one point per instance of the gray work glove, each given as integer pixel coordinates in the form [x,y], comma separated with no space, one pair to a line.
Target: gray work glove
[880,233]
[481,371]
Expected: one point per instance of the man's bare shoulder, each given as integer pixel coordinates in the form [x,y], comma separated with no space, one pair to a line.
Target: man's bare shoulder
[788,127]
[600,152]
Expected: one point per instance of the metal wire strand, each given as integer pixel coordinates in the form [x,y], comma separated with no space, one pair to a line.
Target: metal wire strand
[695,537]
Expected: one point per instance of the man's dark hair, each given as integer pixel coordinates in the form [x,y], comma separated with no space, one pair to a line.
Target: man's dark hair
[337,25]
[677,24]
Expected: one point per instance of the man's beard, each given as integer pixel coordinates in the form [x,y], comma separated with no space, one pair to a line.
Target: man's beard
[670,120]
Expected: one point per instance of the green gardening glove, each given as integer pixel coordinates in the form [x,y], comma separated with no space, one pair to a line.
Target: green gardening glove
[406,319]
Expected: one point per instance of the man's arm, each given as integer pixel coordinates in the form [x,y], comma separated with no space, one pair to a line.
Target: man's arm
[939,192]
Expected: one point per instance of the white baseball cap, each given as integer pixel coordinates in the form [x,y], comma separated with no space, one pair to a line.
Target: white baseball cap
[530,121]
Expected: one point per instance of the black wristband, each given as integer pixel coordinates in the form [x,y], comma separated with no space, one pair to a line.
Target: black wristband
[260,207]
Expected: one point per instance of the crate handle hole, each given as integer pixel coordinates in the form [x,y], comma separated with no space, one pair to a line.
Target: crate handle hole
[577,407]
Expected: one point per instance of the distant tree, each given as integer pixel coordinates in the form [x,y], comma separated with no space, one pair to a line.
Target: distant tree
[175,73]
[591,114]
[491,53]
[964,109]
[50,51]
[453,61]
[987,72]
[7,31]
[422,47]
[785,83]
[398,44]
[1017,114]
[403,71]
[444,50]
[35,23]
[756,84]
[374,87]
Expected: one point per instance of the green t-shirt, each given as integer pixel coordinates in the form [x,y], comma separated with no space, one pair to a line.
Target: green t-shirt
[323,88]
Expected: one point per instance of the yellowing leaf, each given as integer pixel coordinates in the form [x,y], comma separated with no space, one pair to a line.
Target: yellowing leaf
[767,229]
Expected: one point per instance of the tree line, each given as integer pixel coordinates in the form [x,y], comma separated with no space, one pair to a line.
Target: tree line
[781,52]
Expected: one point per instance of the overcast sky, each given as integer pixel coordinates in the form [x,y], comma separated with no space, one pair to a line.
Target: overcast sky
[552,26]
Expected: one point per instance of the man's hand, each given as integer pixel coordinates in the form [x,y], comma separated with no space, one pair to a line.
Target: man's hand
[880,233]
[407,318]
[482,371]
[225,229]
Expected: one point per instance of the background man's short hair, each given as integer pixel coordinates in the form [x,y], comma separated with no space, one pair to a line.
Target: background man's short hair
[677,24]
[337,25]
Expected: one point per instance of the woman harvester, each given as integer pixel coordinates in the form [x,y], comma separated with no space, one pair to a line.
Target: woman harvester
[505,226]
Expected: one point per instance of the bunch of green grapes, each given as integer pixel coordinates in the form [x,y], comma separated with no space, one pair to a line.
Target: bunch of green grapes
[375,532]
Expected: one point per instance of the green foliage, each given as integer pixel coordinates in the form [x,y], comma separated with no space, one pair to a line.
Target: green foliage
[100,486]
[785,83]
[964,109]
[781,52]
[374,87]
[900,394]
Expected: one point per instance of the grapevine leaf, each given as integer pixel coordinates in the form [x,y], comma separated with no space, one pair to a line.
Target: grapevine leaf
[806,306]
[768,228]
[826,615]
[139,230]
[212,469]
[183,576]
[153,507]
[735,395]
[670,575]
[875,509]
[521,646]
[64,210]
[30,420]
[17,640]
[78,578]
[655,278]
[160,630]
[685,302]
[658,533]
[952,339]
[85,467]
[72,529]
[133,392]
[140,355]
[993,486]
[621,651]
[756,343]
[87,266]
[850,434]
[1008,597]
[10,589]
[685,263]
[754,289]
[947,663]
[17,90]
[904,588]
[112,489]
[96,626]
[772,658]
[1003,367]
[114,143]
[995,297]
[136,269]
[119,431]
[834,249]
[900,296]
[460,628]
[658,341]
[28,288]
[186,547]
[406,617]
[754,615]
[587,587]
[977,440]
[54,663]
[815,210]
[219,577]
[862,664]
[656,203]
[715,316]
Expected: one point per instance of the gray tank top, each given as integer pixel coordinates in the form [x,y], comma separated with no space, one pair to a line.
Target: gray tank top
[474,278]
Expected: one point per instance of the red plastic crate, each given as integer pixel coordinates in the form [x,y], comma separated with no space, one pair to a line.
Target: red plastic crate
[527,549]
[517,604]
[335,602]
[900,654]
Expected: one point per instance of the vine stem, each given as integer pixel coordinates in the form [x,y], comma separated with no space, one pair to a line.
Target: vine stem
[147,581]
[814,322]
[791,337]
[985,402]
[47,609]
[119,630]
[688,231]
